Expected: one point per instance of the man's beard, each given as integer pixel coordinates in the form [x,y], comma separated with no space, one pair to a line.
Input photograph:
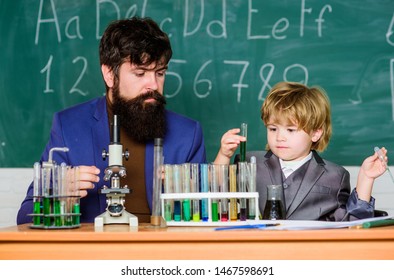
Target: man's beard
[142,121]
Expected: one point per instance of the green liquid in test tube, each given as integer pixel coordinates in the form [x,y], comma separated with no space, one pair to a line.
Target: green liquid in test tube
[57,212]
[195,188]
[46,201]
[46,205]
[186,189]
[76,210]
[65,194]
[214,188]
[57,185]
[37,211]
[58,192]
[244,132]
[168,188]
[76,207]
[215,211]
[37,194]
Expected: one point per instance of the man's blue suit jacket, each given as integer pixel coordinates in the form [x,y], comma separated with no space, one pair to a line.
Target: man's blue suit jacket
[84,129]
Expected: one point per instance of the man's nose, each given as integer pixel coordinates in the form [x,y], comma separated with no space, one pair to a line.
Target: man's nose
[152,83]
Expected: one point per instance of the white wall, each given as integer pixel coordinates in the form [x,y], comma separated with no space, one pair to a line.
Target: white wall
[14,183]
[13,187]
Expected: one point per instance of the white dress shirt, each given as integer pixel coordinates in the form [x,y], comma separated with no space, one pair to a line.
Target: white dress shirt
[288,167]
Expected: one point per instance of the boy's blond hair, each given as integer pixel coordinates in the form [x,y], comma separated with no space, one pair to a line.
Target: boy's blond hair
[306,107]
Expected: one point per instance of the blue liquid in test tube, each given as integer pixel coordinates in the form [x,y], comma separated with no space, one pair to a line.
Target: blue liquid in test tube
[204,188]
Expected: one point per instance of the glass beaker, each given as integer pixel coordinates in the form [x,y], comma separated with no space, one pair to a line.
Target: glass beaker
[274,207]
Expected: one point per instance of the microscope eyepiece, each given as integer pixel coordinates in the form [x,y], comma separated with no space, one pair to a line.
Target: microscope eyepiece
[115,130]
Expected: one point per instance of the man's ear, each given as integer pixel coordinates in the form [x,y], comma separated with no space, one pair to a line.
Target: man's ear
[108,75]
[317,134]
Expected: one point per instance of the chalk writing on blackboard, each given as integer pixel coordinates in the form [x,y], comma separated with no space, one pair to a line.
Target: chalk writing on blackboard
[227,54]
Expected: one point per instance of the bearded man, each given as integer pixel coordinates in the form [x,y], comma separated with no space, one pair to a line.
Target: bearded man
[134,56]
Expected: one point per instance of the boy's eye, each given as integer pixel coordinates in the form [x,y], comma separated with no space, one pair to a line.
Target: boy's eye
[272,129]
[291,130]
[139,74]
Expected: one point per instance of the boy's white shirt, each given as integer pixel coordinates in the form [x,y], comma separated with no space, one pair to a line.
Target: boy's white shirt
[288,167]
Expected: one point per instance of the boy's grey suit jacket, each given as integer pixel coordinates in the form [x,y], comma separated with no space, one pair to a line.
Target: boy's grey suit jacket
[320,191]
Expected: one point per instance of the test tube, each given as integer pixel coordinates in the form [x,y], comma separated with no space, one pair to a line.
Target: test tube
[177,172]
[76,205]
[233,188]
[252,186]
[195,188]
[67,191]
[168,188]
[242,188]
[37,194]
[244,132]
[204,188]
[213,174]
[56,195]
[186,189]
[157,179]
[61,209]
[381,157]
[223,187]
[46,201]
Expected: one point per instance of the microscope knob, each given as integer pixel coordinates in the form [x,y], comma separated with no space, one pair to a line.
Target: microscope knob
[126,154]
[122,172]
[104,154]
[107,174]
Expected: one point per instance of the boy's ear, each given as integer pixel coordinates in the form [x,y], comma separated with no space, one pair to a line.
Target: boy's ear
[108,75]
[317,134]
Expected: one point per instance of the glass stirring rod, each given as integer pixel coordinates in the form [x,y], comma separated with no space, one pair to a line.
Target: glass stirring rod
[379,152]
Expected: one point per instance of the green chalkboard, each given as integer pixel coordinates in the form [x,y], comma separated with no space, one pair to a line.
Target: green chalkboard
[227,55]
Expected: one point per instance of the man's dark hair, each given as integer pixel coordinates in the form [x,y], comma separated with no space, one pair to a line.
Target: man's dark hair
[137,40]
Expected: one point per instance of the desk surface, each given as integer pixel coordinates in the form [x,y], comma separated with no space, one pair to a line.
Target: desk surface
[147,242]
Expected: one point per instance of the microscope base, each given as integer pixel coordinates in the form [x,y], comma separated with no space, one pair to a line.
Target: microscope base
[125,218]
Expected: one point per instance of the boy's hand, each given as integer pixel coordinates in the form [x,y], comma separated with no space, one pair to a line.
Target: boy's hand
[228,145]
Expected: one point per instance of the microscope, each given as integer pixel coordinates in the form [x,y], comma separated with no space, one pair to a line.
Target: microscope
[115,212]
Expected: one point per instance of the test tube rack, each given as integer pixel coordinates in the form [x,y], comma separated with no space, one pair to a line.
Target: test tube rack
[62,212]
[55,194]
[253,196]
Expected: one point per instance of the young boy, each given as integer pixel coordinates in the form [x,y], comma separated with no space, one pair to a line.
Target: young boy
[298,122]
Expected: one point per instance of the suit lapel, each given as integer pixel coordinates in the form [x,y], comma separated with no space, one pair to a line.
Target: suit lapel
[274,169]
[100,141]
[314,171]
